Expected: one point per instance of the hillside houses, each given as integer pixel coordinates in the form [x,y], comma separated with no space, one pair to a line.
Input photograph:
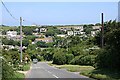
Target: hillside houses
[96,29]
[12,35]
[46,40]
[68,28]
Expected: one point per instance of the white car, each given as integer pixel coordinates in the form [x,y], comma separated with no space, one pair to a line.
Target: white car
[35,61]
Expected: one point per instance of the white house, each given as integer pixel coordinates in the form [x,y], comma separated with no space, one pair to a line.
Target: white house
[61,35]
[11,34]
[93,33]
[47,39]
[70,33]
[96,27]
[43,29]
[68,28]
[78,28]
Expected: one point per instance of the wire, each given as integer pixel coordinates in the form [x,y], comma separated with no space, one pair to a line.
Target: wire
[13,16]
[8,11]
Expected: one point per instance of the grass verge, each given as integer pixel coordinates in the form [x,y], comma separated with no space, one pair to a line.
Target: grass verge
[26,67]
[19,75]
[101,74]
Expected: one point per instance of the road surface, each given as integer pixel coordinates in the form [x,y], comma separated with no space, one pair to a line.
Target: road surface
[43,70]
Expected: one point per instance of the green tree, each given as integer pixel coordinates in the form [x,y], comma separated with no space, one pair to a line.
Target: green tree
[69,57]
[28,30]
[109,57]
[25,42]
[59,57]
[41,44]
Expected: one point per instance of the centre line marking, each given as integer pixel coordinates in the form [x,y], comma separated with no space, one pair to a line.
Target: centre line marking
[55,76]
[51,73]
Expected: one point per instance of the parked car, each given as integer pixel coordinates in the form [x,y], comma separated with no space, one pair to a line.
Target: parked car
[35,61]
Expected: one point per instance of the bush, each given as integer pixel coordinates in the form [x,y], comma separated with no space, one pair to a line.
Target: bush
[59,58]
[83,60]
[76,60]
[107,58]
[40,58]
[7,71]
[69,57]
[88,60]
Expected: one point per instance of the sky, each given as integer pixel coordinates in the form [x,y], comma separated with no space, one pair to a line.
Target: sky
[60,0]
[59,13]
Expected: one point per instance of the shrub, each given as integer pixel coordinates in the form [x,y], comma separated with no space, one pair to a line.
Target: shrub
[88,60]
[76,60]
[107,58]
[7,71]
[69,57]
[40,58]
[83,60]
[59,58]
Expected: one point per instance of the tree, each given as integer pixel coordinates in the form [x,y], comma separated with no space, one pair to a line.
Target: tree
[30,37]
[110,57]
[87,29]
[41,44]
[9,42]
[25,42]
[59,57]
[28,30]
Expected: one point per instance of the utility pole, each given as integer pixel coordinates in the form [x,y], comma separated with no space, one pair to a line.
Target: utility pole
[102,39]
[21,39]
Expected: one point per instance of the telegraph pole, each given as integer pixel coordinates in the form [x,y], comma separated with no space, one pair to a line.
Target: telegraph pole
[102,39]
[21,39]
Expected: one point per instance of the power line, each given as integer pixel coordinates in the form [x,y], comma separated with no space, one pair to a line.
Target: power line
[13,16]
[8,11]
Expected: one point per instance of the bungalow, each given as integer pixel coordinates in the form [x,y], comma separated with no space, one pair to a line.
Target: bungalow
[47,39]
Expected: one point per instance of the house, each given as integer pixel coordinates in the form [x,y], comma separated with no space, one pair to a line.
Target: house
[39,35]
[64,28]
[96,27]
[47,39]
[68,28]
[93,33]
[61,35]
[70,33]
[11,35]
[43,30]
[78,28]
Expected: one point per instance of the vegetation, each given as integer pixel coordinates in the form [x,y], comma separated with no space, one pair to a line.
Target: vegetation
[59,57]
[52,31]
[8,73]
[26,67]
[76,68]
[109,56]
[73,50]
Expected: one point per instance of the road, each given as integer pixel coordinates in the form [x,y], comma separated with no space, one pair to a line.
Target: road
[43,70]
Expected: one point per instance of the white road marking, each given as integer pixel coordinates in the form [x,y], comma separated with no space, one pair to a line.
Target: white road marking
[50,73]
[55,76]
